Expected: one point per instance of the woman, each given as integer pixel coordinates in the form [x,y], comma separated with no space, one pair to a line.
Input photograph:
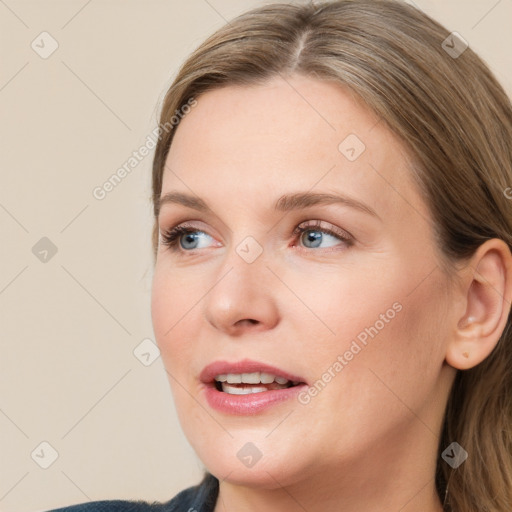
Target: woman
[370,372]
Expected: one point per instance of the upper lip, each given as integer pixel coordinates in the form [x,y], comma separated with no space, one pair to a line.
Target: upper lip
[210,371]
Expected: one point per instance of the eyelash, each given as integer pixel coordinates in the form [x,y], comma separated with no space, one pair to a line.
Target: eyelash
[170,238]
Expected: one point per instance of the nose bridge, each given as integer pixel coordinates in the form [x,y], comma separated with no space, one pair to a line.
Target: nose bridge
[242,290]
[249,250]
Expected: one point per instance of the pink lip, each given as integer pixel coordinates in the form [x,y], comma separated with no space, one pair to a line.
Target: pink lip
[245,366]
[246,404]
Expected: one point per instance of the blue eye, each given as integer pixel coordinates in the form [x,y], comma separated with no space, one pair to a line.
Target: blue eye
[187,237]
[173,236]
[315,237]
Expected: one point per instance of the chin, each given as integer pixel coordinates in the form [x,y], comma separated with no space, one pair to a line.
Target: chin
[240,461]
[260,476]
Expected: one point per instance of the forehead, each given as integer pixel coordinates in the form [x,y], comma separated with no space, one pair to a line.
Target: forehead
[286,135]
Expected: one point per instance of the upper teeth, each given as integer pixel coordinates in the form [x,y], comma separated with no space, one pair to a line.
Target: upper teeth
[250,378]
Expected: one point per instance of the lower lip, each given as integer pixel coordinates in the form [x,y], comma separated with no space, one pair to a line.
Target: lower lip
[252,403]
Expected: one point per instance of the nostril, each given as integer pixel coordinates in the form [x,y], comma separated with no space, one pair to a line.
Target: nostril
[248,320]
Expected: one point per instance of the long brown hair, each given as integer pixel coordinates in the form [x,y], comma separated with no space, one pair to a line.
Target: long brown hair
[450,111]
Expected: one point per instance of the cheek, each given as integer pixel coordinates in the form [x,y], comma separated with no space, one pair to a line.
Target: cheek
[400,365]
[345,304]
[174,294]
[390,340]
[386,381]
[173,317]
[174,320]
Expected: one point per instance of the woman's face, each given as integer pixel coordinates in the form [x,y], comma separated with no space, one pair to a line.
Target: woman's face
[355,307]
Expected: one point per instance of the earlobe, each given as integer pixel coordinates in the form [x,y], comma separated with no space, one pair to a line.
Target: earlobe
[488,291]
[466,348]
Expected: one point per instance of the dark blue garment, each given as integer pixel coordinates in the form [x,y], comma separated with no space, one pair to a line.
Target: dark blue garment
[199,498]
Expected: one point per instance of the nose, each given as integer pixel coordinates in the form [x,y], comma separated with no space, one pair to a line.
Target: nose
[243,297]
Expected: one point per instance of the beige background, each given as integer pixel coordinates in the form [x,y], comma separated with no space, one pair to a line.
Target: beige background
[69,326]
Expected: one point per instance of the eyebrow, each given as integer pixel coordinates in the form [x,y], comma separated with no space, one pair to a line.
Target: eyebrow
[285,203]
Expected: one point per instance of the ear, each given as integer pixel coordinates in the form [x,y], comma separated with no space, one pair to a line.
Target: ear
[487,290]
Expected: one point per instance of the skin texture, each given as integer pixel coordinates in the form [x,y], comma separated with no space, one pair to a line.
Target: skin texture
[369,440]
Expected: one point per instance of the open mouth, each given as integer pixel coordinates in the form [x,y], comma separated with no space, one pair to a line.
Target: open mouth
[245,384]
[248,387]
